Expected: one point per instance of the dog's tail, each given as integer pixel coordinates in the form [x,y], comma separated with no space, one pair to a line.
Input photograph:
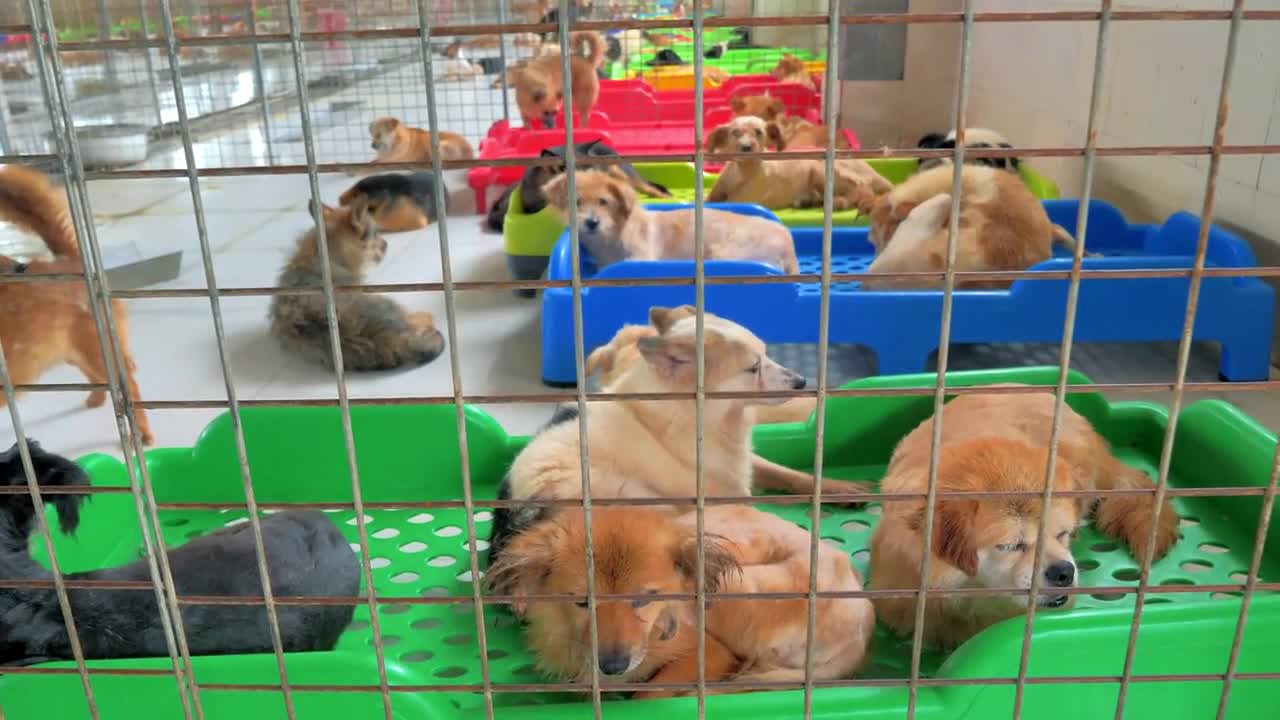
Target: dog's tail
[17,512]
[30,201]
[1066,240]
[590,45]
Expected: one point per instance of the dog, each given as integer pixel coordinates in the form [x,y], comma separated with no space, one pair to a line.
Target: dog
[765,107]
[461,70]
[306,556]
[791,69]
[397,202]
[46,324]
[531,198]
[799,133]
[640,551]
[1002,227]
[991,443]
[646,449]
[395,142]
[780,184]
[540,85]
[375,332]
[613,226]
[975,138]
[460,47]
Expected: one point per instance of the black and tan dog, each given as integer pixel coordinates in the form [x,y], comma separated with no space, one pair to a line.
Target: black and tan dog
[397,202]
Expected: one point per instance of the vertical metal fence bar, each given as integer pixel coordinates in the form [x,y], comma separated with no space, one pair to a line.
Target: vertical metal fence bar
[1184,345]
[502,59]
[46,535]
[944,341]
[49,66]
[579,360]
[1068,337]
[700,368]
[220,340]
[455,361]
[1251,582]
[830,117]
[335,346]
[149,63]
[259,79]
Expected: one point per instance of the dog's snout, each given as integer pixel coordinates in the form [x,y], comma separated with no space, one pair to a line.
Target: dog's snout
[591,224]
[798,382]
[615,662]
[548,119]
[1060,574]
[373,145]
[746,147]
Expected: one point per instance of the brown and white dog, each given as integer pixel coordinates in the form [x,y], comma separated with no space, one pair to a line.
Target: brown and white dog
[999,442]
[47,324]
[614,226]
[395,142]
[539,83]
[643,552]
[1002,227]
[784,183]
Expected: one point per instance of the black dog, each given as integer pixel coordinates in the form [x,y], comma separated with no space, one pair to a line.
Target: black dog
[976,138]
[666,57]
[306,556]
[531,198]
[399,202]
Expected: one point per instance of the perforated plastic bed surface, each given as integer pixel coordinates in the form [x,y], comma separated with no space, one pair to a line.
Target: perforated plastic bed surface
[409,454]
[902,327]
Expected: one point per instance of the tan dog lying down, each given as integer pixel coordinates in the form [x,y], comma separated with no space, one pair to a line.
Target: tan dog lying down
[640,551]
[782,183]
[614,226]
[1000,442]
[1002,227]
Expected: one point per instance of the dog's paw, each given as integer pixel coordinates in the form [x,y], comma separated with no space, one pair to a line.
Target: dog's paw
[845,487]
[95,399]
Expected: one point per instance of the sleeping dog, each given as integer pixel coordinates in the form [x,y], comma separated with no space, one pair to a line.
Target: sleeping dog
[306,556]
[974,139]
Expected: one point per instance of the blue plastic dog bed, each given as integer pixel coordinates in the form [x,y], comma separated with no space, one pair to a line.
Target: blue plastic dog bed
[902,327]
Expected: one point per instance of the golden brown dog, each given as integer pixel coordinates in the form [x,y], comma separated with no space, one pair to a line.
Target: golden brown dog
[395,142]
[764,107]
[540,84]
[642,552]
[799,133]
[782,183]
[1002,227]
[46,324]
[614,226]
[993,443]
[791,69]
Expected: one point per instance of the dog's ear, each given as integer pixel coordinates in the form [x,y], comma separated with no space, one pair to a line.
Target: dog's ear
[868,197]
[932,140]
[600,359]
[952,534]
[667,356]
[324,212]
[739,104]
[718,562]
[556,191]
[525,564]
[775,137]
[776,108]
[718,138]
[348,195]
[662,318]
[360,215]
[623,194]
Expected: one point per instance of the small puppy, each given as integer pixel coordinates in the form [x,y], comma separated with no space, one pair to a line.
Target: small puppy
[375,332]
[393,141]
[306,556]
[539,83]
[459,47]
[976,138]
[1002,227]
[397,202]
[993,443]
[791,69]
[46,324]
[646,449]
[800,133]
[780,184]
[642,551]
[613,226]
[531,198]
[764,107]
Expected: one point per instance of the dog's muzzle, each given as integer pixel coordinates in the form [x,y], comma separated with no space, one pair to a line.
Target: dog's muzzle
[746,148]
[548,120]
[590,224]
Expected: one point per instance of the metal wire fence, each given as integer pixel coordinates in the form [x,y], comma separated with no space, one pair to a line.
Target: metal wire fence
[301,82]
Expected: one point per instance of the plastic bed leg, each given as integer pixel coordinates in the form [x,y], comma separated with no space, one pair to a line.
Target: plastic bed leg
[1246,358]
[527,267]
[901,359]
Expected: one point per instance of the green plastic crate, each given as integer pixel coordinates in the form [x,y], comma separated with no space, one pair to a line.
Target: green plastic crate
[409,453]
[735,61]
[535,234]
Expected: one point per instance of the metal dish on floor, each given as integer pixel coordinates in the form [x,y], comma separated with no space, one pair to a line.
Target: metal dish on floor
[111,145]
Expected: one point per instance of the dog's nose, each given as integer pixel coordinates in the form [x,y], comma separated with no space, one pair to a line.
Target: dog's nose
[746,148]
[548,119]
[591,224]
[614,663]
[1060,574]
[798,382]
[373,145]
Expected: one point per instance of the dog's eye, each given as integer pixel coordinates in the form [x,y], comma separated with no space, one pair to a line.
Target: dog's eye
[641,602]
[559,94]
[1012,547]
[759,132]
[1064,536]
[604,202]
[582,604]
[755,367]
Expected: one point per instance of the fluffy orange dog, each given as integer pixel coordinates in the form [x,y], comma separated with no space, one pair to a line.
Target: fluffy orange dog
[540,83]
[1002,226]
[614,226]
[764,107]
[780,184]
[640,551]
[791,69]
[991,443]
[44,324]
[395,142]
